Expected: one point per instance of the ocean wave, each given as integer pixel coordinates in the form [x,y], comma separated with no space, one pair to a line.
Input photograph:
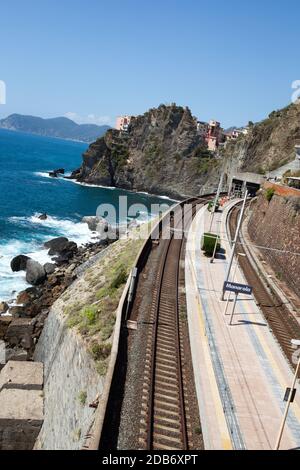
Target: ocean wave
[11,283]
[90,185]
[43,174]
[76,231]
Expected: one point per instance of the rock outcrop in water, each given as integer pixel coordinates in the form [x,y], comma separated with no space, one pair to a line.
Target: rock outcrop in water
[18,263]
[161,153]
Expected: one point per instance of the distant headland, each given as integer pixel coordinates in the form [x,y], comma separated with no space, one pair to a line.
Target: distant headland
[60,127]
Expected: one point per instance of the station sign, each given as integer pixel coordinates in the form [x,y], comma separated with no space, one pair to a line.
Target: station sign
[237,288]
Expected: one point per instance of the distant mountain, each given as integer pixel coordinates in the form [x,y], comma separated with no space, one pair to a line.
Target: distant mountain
[60,127]
[230,129]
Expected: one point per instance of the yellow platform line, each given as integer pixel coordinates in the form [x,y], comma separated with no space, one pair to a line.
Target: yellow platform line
[222,424]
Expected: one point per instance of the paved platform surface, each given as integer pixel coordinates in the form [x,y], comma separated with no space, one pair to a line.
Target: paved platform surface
[22,375]
[240,372]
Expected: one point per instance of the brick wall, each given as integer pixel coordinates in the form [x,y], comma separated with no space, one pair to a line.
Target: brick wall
[276,224]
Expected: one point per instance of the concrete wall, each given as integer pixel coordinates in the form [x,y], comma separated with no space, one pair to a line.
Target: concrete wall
[276,224]
[69,373]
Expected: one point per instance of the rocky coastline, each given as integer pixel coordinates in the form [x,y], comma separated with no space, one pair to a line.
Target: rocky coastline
[22,319]
[161,153]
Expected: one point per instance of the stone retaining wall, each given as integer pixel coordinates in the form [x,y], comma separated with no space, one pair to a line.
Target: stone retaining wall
[275,224]
[71,385]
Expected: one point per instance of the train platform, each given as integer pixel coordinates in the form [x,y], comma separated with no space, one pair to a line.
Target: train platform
[241,374]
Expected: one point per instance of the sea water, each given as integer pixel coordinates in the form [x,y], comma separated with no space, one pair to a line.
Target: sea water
[26,191]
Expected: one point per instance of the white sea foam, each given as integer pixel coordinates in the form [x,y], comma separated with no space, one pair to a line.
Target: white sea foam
[43,174]
[12,283]
[89,185]
[75,231]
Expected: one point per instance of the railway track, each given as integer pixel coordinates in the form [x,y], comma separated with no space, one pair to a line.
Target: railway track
[152,387]
[284,326]
[165,411]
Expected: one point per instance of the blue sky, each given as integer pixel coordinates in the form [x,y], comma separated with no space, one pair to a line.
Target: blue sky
[229,60]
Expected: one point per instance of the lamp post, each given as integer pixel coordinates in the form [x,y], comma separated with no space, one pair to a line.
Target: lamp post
[213,210]
[295,342]
[235,241]
[235,269]
[216,245]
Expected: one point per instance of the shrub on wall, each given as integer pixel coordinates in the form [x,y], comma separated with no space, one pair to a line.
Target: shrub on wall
[269,194]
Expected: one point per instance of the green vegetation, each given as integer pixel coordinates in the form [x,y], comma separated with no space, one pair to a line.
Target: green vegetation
[100,351]
[208,242]
[120,277]
[82,397]
[94,315]
[205,165]
[269,194]
[120,155]
[102,168]
[202,152]
[260,170]
[211,204]
[152,152]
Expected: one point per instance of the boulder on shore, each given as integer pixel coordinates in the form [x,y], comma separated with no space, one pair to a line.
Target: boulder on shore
[19,263]
[35,272]
[102,227]
[62,248]
[57,244]
[49,268]
[27,296]
[92,222]
[18,311]
[3,307]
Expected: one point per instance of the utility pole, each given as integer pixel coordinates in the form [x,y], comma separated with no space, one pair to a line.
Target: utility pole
[291,394]
[233,308]
[216,201]
[235,240]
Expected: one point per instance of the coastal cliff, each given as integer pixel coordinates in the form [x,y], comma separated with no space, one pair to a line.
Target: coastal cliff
[268,145]
[161,153]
